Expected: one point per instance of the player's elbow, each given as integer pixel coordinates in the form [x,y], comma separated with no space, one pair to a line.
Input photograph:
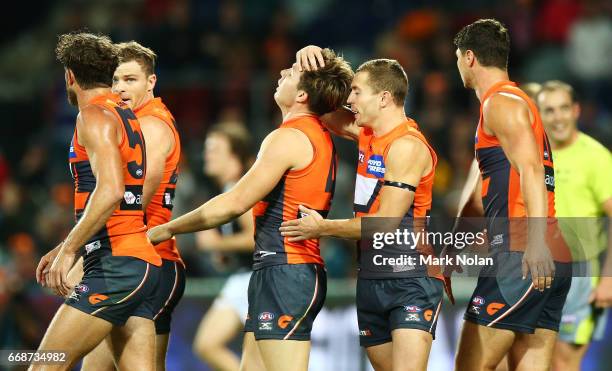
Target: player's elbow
[237,206]
[114,194]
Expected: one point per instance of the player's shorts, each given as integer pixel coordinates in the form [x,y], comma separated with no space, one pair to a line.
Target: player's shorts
[284,301]
[384,305]
[505,301]
[115,288]
[169,293]
[581,321]
[234,295]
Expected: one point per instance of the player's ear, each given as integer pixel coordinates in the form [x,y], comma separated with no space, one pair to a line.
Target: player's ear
[151,81]
[301,96]
[69,76]
[576,110]
[385,99]
[470,58]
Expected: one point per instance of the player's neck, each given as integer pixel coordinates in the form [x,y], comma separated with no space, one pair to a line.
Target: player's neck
[85,96]
[388,121]
[295,112]
[146,99]
[558,145]
[487,78]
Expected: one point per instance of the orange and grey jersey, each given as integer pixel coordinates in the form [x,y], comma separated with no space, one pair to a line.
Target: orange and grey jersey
[312,186]
[503,202]
[371,168]
[159,210]
[124,233]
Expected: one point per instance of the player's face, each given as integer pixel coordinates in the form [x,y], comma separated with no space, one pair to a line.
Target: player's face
[132,84]
[217,153]
[559,114]
[287,90]
[462,66]
[362,100]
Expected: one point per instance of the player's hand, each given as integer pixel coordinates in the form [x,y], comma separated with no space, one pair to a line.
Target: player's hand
[208,239]
[602,295]
[307,58]
[57,277]
[45,263]
[305,228]
[449,253]
[538,261]
[159,234]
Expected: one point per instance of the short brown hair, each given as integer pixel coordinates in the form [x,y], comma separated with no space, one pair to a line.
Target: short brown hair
[239,141]
[387,75]
[133,51]
[553,85]
[92,58]
[488,39]
[328,87]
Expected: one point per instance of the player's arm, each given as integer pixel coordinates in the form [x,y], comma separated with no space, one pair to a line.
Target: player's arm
[509,120]
[159,143]
[98,133]
[281,150]
[242,241]
[341,122]
[396,195]
[470,201]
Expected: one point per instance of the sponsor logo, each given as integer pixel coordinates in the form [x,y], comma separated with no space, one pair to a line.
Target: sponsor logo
[81,288]
[284,321]
[478,300]
[498,239]
[365,332]
[428,315]
[413,317]
[494,308]
[92,246]
[74,296]
[412,308]
[546,155]
[549,180]
[263,254]
[167,199]
[361,157]
[139,172]
[97,298]
[474,309]
[266,316]
[266,326]
[129,198]
[71,153]
[376,166]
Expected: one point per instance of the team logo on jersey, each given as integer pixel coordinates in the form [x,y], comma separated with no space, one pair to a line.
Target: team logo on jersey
[427,315]
[478,300]
[97,298]
[376,166]
[81,288]
[412,308]
[266,316]
[494,308]
[284,321]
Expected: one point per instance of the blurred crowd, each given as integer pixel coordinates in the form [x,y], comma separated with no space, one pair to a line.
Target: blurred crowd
[219,61]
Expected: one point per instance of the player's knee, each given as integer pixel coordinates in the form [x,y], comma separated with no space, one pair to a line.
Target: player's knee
[206,347]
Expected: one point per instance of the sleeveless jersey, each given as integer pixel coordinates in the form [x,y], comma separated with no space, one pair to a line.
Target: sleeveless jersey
[503,203]
[124,233]
[371,169]
[159,210]
[312,187]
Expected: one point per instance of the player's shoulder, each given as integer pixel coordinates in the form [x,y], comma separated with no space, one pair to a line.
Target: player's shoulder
[94,115]
[502,101]
[408,147]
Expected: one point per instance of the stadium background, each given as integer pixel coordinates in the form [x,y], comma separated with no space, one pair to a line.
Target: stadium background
[219,61]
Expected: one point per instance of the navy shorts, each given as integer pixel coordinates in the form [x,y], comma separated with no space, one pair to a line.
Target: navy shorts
[504,300]
[169,293]
[284,301]
[384,305]
[115,288]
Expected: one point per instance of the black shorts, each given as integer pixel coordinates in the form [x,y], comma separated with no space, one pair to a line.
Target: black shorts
[115,288]
[504,300]
[384,305]
[284,301]
[169,293]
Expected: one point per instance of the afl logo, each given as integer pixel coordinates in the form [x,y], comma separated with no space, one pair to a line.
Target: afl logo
[478,300]
[266,316]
